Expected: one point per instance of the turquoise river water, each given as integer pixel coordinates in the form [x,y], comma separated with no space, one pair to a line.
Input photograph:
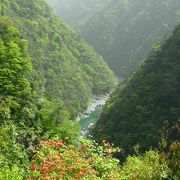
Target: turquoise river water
[92,114]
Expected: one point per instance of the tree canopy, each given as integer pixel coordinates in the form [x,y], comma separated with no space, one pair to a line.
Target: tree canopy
[149,102]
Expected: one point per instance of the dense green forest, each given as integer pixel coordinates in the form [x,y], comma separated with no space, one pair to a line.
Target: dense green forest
[146,109]
[65,68]
[77,12]
[49,74]
[122,31]
[125,31]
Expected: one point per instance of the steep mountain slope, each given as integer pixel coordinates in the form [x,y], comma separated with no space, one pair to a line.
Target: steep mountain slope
[124,31]
[15,67]
[77,12]
[136,113]
[66,70]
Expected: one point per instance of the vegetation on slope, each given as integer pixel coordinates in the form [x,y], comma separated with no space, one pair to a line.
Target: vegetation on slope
[150,101]
[57,160]
[37,141]
[66,71]
[77,12]
[15,66]
[124,31]
[47,76]
[17,108]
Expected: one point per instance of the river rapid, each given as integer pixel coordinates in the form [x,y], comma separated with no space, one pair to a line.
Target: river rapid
[91,115]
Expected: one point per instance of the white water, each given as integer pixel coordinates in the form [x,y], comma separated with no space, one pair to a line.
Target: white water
[97,101]
[90,116]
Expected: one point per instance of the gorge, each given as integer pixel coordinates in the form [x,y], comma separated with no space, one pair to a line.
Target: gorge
[89,117]
[64,115]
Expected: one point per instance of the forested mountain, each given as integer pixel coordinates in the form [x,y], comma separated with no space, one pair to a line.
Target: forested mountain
[124,31]
[15,68]
[47,76]
[66,70]
[148,103]
[77,12]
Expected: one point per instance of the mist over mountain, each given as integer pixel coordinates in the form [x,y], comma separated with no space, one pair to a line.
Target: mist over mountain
[122,31]
[77,12]
[125,31]
[54,86]
[148,104]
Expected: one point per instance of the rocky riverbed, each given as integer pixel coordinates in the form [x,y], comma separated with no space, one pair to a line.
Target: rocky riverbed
[91,115]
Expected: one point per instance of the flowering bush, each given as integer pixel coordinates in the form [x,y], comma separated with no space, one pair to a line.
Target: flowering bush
[57,160]
[54,160]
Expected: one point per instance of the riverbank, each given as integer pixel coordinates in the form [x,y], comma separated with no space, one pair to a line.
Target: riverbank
[91,115]
[97,101]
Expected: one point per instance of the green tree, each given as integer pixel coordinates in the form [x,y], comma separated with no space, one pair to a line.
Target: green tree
[15,66]
[137,112]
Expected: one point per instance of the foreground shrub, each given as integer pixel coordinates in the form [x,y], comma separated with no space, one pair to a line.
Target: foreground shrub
[13,157]
[173,160]
[54,160]
[148,166]
[13,173]
[57,160]
[69,131]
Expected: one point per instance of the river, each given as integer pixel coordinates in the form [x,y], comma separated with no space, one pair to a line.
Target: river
[91,115]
